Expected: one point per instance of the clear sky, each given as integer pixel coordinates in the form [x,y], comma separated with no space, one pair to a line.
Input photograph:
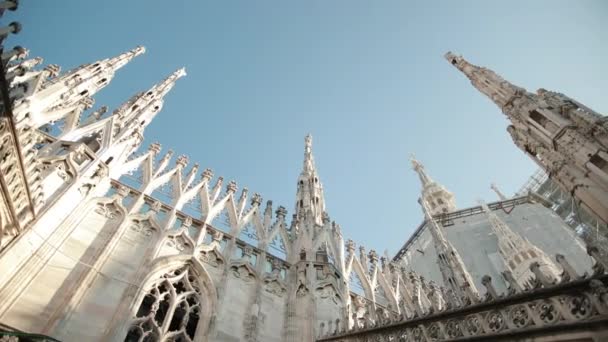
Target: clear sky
[366,78]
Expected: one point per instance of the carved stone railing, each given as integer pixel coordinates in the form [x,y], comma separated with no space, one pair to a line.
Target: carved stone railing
[576,304]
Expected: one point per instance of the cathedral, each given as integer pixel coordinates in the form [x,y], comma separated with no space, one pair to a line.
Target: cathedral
[103,239]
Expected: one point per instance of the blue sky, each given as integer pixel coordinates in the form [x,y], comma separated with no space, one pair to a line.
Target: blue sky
[366,78]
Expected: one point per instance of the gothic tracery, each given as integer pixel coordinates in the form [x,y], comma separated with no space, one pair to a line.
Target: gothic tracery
[171,310]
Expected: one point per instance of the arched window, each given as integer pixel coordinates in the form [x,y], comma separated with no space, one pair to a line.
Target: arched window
[171,309]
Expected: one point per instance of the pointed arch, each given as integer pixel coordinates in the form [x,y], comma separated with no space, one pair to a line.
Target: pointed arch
[176,302]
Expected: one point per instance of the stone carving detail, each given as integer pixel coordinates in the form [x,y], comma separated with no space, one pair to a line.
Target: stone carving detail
[108,210]
[273,282]
[176,297]
[275,287]
[212,258]
[142,227]
[244,272]
[581,301]
[301,282]
[179,242]
[211,254]
[328,292]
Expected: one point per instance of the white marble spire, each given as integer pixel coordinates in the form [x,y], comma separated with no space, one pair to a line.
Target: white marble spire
[309,195]
[50,100]
[437,197]
[453,270]
[486,81]
[517,252]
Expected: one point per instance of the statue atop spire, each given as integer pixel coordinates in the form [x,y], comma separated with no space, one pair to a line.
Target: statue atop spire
[309,162]
[309,196]
[419,168]
[434,194]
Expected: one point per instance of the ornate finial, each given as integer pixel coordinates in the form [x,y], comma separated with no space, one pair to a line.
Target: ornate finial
[187,222]
[154,148]
[373,257]
[181,72]
[256,199]
[452,58]
[350,246]
[281,212]
[182,161]
[207,174]
[139,50]
[362,252]
[231,187]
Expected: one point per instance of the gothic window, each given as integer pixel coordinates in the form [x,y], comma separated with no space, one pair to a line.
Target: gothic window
[170,311]
[600,162]
[543,121]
